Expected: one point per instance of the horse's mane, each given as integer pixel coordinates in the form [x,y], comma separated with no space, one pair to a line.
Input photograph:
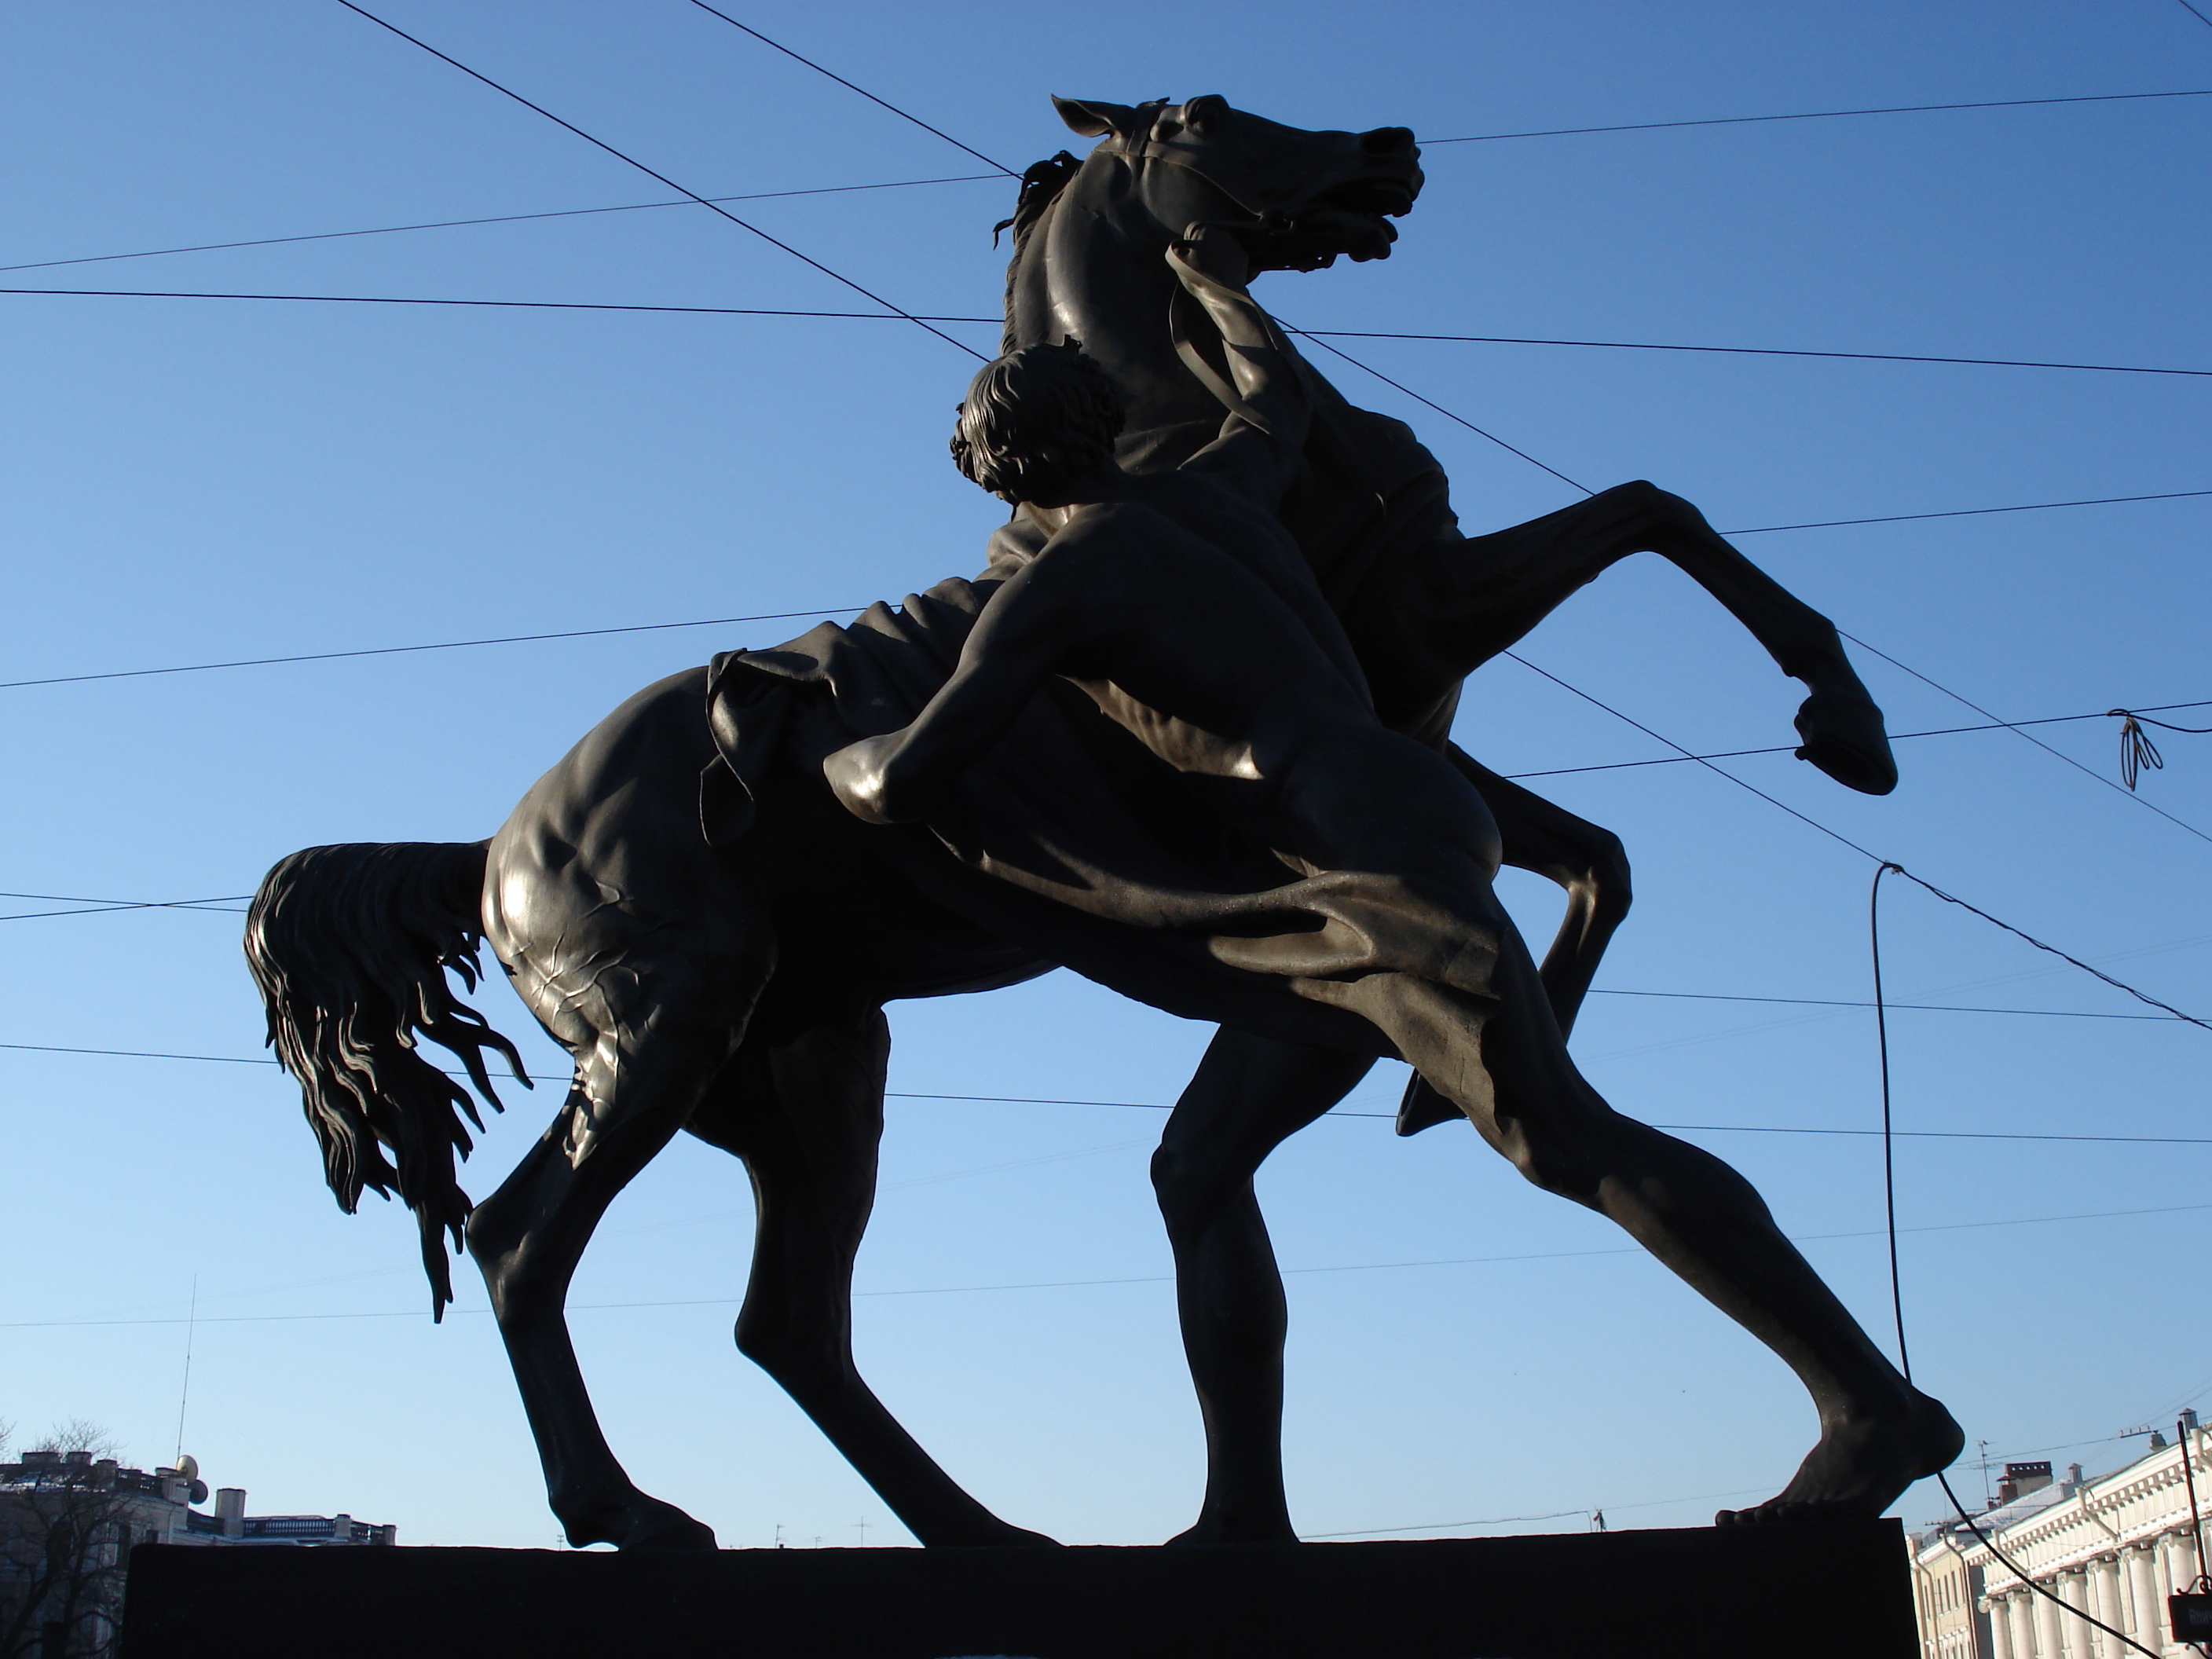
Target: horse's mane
[1040,187]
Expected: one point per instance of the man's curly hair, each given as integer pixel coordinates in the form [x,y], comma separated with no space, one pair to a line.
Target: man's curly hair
[1044,411]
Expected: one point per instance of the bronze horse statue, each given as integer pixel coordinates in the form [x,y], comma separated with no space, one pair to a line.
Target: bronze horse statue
[687,910]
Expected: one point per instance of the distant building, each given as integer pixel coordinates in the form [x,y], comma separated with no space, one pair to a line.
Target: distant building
[68,1521]
[2114,1547]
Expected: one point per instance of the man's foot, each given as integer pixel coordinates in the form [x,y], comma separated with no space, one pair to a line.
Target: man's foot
[1222,1532]
[1861,1465]
[857,774]
[632,1521]
[1844,737]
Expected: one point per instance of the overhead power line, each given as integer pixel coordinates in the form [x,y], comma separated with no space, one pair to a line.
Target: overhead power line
[1837,836]
[1813,822]
[1824,114]
[2028,736]
[497,219]
[1753,352]
[224,905]
[1318,334]
[785,616]
[662,178]
[976,177]
[1386,1117]
[1970,512]
[1894,737]
[903,115]
[1400,385]
[442,645]
[496,305]
[1088,1283]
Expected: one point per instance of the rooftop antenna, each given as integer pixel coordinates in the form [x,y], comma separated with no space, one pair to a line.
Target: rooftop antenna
[185,1394]
[863,1525]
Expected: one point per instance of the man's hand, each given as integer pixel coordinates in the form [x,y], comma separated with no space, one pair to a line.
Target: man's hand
[1216,250]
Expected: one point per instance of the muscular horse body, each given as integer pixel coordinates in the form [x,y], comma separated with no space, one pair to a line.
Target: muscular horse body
[737,992]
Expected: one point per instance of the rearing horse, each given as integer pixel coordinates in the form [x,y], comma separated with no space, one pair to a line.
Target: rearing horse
[733,985]
[1424,605]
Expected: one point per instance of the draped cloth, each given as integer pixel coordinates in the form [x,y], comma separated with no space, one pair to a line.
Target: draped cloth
[1073,840]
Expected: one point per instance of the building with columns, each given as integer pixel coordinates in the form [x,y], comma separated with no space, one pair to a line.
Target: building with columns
[2114,1547]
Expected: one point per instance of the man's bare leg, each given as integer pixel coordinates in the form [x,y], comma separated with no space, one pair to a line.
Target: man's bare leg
[1250,1095]
[1507,1069]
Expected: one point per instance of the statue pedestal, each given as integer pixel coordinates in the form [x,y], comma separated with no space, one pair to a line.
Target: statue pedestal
[1824,1591]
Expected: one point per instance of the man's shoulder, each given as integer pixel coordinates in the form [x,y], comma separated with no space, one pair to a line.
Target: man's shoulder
[1119,514]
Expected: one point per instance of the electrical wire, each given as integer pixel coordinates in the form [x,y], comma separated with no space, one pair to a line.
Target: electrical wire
[1837,836]
[1164,1106]
[1968,703]
[662,178]
[1896,1286]
[1894,737]
[442,645]
[495,305]
[1970,512]
[1316,334]
[1822,115]
[104,907]
[496,219]
[903,115]
[1748,351]
[850,609]
[982,178]
[1448,415]
[1888,1127]
[1089,1284]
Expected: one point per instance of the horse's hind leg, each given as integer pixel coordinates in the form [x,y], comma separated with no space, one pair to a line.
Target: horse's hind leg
[806,1114]
[665,1026]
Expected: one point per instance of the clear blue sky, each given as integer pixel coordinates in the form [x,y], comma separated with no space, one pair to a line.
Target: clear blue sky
[197,481]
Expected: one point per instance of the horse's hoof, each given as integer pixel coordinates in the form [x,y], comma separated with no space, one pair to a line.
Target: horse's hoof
[1844,737]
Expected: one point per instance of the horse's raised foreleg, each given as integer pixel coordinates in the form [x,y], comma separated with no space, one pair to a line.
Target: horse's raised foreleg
[1250,1095]
[664,1026]
[1430,618]
[806,1114]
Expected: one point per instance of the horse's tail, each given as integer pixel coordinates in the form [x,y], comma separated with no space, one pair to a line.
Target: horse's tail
[350,945]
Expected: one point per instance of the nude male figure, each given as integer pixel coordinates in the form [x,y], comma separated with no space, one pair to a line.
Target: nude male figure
[1179,605]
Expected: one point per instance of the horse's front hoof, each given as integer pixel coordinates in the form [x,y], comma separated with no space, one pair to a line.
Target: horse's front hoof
[1844,738]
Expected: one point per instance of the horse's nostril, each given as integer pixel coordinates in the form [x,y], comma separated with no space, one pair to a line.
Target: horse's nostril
[1387,141]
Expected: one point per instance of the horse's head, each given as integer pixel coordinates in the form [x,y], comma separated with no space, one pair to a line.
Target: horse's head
[1309,196]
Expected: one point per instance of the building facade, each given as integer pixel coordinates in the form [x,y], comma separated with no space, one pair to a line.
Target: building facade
[2112,1548]
[68,1522]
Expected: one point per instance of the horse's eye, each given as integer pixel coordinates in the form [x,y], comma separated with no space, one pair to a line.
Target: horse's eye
[1200,112]
[1168,128]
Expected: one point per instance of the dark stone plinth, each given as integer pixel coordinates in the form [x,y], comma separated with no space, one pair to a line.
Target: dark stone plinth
[1812,1592]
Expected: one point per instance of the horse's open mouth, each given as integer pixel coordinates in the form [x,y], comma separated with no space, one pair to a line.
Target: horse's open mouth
[1351,220]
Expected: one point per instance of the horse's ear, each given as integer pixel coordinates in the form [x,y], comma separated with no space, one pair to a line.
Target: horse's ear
[1094,117]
